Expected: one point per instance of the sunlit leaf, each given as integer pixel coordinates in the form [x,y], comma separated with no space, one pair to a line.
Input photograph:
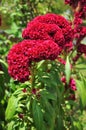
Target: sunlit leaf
[5,70]
[37,115]
[10,125]
[81,87]
[11,108]
[67,70]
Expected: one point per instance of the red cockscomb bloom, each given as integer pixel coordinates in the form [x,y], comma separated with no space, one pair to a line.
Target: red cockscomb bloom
[72,83]
[81,48]
[49,27]
[44,50]
[23,53]
[18,60]
[78,6]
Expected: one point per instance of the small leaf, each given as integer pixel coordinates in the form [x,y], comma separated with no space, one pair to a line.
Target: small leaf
[40,64]
[5,70]
[84,23]
[1,72]
[37,115]
[81,87]
[83,41]
[22,128]
[49,95]
[10,125]
[67,70]
[11,108]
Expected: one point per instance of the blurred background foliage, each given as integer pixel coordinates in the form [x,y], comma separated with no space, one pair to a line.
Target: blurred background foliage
[16,13]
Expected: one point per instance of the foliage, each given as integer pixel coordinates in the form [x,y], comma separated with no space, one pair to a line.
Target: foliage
[54,96]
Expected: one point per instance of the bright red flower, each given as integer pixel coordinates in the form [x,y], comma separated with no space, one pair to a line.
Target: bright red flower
[22,54]
[44,50]
[78,6]
[49,27]
[18,60]
[72,83]
[82,48]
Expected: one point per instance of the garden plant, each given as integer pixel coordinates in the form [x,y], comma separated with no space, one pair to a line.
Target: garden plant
[43,80]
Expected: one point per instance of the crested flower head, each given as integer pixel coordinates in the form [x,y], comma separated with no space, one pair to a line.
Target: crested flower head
[49,27]
[22,54]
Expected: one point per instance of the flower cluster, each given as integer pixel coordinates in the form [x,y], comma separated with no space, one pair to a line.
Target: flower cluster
[72,83]
[79,6]
[45,36]
[49,27]
[22,54]
[80,34]
[81,48]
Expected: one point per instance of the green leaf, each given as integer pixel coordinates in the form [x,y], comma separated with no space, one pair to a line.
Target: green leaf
[78,125]
[2,87]
[10,125]
[11,108]
[84,23]
[37,115]
[22,128]
[40,64]
[1,72]
[48,95]
[49,111]
[81,87]
[13,30]
[18,91]
[3,63]
[60,125]
[5,69]
[67,70]
[83,41]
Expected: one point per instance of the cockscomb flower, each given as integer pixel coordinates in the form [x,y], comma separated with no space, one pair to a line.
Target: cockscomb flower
[78,6]
[18,60]
[72,83]
[22,54]
[44,50]
[49,27]
[81,48]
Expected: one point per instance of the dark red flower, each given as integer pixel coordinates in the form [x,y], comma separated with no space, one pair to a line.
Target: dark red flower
[24,90]
[81,48]
[47,35]
[62,61]
[21,116]
[44,50]
[34,91]
[72,83]
[78,6]
[72,97]
[63,79]
[18,60]
[22,54]
[49,27]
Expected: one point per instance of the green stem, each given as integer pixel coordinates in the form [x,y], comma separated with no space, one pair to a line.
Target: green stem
[33,75]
